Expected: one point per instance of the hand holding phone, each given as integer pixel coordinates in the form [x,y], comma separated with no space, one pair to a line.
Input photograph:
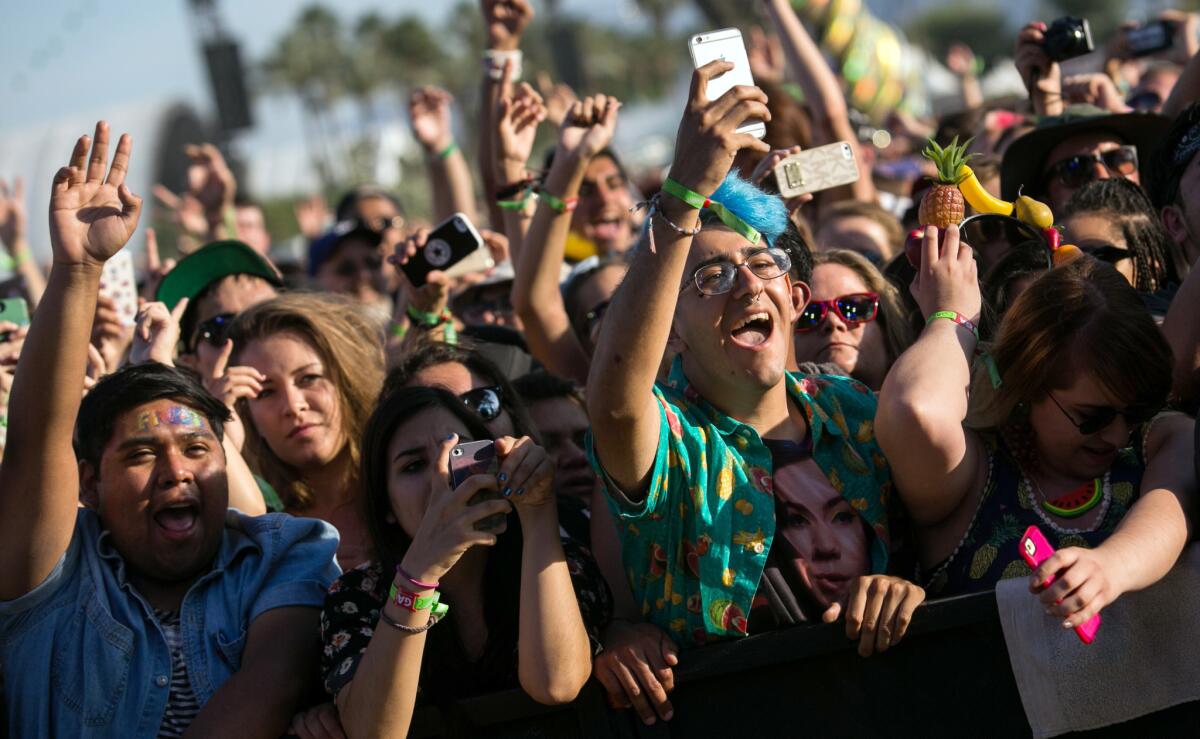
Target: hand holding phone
[813,170]
[1035,550]
[726,45]
[478,458]
[454,247]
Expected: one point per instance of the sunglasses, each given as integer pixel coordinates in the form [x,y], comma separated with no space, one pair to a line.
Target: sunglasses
[1108,253]
[1145,102]
[854,309]
[1081,168]
[351,267]
[214,330]
[486,401]
[719,277]
[1101,418]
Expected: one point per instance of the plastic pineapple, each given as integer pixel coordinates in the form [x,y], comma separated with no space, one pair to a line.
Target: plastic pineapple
[943,204]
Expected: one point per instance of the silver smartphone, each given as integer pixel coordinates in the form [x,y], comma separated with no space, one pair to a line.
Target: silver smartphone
[726,44]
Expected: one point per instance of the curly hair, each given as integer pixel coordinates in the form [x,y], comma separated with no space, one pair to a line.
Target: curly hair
[351,349]
[1157,260]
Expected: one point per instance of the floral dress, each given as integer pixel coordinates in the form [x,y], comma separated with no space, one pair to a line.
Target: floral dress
[352,609]
[989,553]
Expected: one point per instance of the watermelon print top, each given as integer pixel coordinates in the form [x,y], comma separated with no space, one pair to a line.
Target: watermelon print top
[988,552]
[694,550]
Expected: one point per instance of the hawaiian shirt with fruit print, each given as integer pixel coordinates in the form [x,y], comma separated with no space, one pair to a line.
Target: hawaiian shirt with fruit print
[694,550]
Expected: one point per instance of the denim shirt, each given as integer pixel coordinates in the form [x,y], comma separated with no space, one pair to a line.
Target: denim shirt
[695,549]
[84,656]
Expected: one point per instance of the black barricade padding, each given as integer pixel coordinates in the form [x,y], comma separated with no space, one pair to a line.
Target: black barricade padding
[949,677]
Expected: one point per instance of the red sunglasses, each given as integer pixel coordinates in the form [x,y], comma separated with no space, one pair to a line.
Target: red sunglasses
[854,309]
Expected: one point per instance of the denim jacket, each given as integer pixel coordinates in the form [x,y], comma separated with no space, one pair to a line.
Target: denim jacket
[83,655]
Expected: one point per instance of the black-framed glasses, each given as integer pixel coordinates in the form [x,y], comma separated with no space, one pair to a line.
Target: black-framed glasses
[351,267]
[213,330]
[594,316]
[716,278]
[1080,169]
[1108,253]
[1099,419]
[486,401]
[854,309]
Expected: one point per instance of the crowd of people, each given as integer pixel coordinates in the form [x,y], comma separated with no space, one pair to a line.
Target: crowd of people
[710,411]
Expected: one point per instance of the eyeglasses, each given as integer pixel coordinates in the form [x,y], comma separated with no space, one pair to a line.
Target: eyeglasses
[1101,418]
[1080,169]
[351,267]
[854,309]
[719,277]
[594,316]
[1108,253]
[214,330]
[486,401]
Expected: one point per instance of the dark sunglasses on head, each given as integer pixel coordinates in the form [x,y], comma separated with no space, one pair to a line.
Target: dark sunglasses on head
[854,309]
[214,330]
[1108,253]
[484,400]
[1081,168]
[1098,419]
[351,267]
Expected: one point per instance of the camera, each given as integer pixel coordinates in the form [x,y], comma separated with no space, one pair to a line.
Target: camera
[1067,38]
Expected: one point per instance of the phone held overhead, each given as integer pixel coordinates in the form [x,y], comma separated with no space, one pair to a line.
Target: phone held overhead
[726,45]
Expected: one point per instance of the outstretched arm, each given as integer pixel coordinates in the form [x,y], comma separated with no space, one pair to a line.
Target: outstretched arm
[822,91]
[14,234]
[504,21]
[453,191]
[923,401]
[92,215]
[621,404]
[587,130]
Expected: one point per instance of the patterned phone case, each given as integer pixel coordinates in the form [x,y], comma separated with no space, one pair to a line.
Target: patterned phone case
[813,170]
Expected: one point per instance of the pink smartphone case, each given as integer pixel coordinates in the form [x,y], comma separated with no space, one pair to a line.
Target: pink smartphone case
[1035,550]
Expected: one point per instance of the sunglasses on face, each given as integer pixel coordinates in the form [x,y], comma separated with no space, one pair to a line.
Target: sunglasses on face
[1099,419]
[615,182]
[351,267]
[484,400]
[854,309]
[717,278]
[214,330]
[1081,168]
[1108,253]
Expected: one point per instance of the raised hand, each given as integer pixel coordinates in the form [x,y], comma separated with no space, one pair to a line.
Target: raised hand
[505,21]
[210,181]
[767,165]
[157,333]
[92,215]
[1042,77]
[765,54]
[1094,89]
[447,529]
[517,120]
[961,60]
[708,139]
[185,211]
[156,269]
[589,126]
[435,293]
[110,335]
[232,384]
[559,98]
[948,278]
[13,218]
[526,472]
[429,116]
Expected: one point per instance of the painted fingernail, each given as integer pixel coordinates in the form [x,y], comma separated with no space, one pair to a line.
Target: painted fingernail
[1067,624]
[520,491]
[502,476]
[451,436]
[507,492]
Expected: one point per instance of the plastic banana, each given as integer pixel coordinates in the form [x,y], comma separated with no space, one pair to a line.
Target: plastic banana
[980,199]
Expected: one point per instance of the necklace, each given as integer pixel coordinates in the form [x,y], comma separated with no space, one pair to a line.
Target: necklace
[1073,504]
[1104,497]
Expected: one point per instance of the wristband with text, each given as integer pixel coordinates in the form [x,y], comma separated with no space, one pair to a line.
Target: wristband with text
[958,318]
[561,205]
[698,201]
[410,601]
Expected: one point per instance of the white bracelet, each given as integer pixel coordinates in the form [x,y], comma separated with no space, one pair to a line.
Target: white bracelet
[494,60]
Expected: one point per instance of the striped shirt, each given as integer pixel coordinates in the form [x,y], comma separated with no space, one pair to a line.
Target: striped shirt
[182,705]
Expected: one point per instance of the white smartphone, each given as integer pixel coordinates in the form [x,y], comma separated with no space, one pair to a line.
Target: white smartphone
[726,44]
[118,282]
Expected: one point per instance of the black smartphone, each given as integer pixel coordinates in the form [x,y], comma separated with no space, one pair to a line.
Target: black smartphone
[454,247]
[1151,38]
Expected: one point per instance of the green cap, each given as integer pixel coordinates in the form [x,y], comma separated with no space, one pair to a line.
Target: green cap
[210,263]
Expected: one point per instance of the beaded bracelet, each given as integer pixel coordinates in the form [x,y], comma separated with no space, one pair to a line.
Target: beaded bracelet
[700,202]
[656,211]
[434,617]
[957,317]
[561,205]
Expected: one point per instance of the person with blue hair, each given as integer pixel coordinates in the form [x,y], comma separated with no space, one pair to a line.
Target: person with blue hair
[747,498]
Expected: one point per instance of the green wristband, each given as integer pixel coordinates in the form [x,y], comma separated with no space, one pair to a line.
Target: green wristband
[958,318]
[559,205]
[450,149]
[426,319]
[399,330]
[698,201]
[514,204]
[420,603]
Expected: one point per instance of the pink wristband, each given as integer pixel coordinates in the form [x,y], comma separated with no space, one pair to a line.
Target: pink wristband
[423,585]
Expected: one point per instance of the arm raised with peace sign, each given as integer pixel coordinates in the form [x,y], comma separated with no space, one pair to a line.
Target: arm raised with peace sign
[92,214]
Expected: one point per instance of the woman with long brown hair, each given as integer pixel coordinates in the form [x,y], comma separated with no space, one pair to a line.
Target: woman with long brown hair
[1072,440]
[319,366]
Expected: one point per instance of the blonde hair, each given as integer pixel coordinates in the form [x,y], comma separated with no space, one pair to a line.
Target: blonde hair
[350,347]
[897,331]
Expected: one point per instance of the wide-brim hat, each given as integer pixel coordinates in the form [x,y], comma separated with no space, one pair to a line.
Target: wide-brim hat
[210,263]
[1025,159]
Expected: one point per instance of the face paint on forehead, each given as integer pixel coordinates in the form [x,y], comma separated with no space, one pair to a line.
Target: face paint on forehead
[173,416]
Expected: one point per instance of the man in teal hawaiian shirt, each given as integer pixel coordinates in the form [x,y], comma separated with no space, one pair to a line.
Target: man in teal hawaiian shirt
[690,467]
